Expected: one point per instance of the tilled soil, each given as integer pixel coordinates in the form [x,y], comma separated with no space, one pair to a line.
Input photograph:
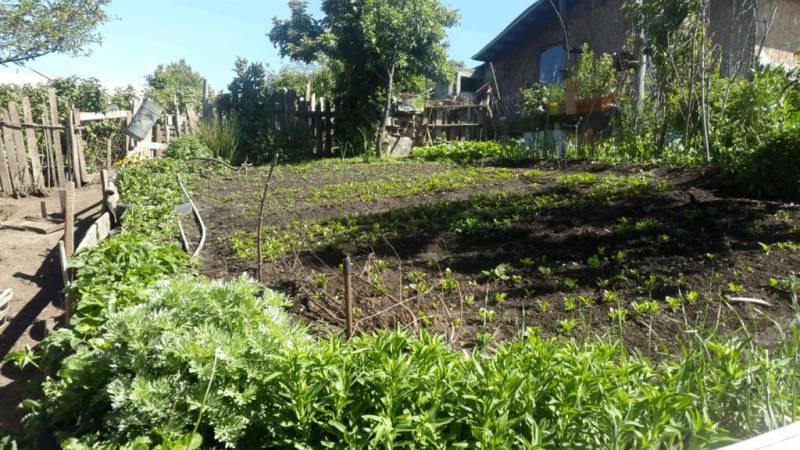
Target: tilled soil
[563,270]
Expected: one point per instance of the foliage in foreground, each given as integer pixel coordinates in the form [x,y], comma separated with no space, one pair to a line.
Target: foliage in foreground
[183,362]
[218,360]
[188,147]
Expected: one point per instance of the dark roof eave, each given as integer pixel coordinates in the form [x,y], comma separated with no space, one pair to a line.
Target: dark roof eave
[489,50]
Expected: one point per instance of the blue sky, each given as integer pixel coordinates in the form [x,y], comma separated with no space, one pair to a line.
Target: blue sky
[210,34]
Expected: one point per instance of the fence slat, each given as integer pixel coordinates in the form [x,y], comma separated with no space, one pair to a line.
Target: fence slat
[79,143]
[56,138]
[5,175]
[19,143]
[11,152]
[33,150]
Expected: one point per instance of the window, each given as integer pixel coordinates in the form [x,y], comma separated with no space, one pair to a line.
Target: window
[552,62]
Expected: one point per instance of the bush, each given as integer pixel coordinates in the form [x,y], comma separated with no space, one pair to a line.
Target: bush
[466,152]
[771,170]
[221,136]
[188,147]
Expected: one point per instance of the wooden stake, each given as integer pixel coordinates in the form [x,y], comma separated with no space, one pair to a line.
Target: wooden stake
[348,298]
[43,208]
[104,188]
[69,219]
[64,263]
[260,232]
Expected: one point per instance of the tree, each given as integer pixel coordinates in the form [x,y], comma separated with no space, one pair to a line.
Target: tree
[175,81]
[378,44]
[249,104]
[30,29]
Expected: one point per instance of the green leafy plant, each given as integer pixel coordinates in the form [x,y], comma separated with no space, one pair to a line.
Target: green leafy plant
[188,147]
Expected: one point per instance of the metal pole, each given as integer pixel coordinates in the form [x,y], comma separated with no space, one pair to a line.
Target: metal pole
[348,297]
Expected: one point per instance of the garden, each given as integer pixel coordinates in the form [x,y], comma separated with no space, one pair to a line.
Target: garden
[498,304]
[635,290]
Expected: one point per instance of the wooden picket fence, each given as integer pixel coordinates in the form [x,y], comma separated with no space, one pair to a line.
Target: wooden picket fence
[41,153]
[314,114]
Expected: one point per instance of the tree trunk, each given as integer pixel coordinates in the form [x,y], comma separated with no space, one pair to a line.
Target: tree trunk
[385,116]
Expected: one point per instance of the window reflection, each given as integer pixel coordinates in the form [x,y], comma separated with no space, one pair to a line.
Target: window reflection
[552,62]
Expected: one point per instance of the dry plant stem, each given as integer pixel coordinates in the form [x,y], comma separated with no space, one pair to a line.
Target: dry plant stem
[223,163]
[261,219]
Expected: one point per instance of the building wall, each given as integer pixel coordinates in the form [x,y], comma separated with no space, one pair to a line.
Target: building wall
[783,38]
[601,23]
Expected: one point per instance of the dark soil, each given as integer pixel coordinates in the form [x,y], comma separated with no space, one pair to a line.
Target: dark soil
[689,237]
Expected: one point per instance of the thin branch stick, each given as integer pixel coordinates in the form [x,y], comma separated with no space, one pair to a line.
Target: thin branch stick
[261,219]
[218,161]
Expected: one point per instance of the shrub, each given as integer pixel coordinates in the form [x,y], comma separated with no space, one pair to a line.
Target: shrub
[221,136]
[188,147]
[150,191]
[466,152]
[771,170]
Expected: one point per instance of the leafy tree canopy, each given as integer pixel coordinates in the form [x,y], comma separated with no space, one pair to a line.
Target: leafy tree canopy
[175,80]
[30,29]
[377,44]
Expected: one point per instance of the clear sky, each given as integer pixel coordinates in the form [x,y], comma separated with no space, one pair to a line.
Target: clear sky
[210,34]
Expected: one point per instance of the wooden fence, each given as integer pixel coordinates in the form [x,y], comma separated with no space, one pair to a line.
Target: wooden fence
[41,153]
[310,114]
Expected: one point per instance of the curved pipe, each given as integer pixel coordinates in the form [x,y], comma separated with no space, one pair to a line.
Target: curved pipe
[199,219]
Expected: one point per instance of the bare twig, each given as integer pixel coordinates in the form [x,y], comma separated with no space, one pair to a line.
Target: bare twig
[261,219]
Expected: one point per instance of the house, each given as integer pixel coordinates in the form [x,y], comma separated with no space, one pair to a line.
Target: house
[534,47]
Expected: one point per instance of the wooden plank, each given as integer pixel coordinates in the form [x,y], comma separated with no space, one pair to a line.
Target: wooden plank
[191,118]
[52,180]
[11,153]
[89,240]
[33,150]
[108,115]
[19,143]
[781,439]
[52,108]
[98,231]
[5,305]
[81,156]
[35,225]
[72,149]
[151,146]
[5,175]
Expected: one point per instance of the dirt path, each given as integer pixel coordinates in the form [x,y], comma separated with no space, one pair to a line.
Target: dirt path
[28,265]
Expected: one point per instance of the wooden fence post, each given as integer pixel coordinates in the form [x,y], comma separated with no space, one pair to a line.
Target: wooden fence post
[104,187]
[348,297]
[63,261]
[69,219]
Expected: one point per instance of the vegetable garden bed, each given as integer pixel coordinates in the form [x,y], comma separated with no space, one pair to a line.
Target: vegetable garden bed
[480,254]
